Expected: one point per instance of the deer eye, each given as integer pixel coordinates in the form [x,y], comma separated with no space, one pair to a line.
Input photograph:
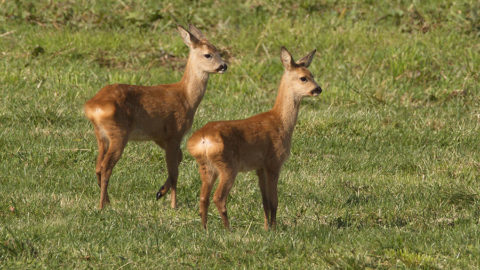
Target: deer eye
[303,79]
[208,56]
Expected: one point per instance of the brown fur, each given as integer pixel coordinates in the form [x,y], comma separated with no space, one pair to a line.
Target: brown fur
[261,143]
[161,113]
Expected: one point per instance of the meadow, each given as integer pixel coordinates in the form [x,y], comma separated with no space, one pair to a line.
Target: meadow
[385,164]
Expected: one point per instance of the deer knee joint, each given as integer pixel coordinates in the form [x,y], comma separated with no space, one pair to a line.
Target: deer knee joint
[204,199]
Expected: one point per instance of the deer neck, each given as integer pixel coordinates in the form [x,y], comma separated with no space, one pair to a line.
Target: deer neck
[194,82]
[286,107]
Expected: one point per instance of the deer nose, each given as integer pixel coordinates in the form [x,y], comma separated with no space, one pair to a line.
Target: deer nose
[316,91]
[223,67]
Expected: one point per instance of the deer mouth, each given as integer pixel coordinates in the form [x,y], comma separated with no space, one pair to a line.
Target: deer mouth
[222,68]
[316,91]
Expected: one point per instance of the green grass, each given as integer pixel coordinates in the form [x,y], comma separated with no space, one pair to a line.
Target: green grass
[385,164]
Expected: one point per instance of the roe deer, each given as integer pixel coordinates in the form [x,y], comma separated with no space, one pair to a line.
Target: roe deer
[261,143]
[161,113]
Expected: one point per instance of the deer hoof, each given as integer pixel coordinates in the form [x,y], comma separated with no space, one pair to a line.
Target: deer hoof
[159,193]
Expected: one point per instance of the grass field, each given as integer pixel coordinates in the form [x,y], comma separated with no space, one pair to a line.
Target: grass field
[385,164]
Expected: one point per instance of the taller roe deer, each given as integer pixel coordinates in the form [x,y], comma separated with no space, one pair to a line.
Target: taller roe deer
[161,113]
[261,143]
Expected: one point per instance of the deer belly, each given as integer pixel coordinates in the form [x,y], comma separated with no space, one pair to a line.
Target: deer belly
[139,135]
[252,161]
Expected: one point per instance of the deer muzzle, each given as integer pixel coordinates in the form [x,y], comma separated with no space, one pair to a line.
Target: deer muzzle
[222,68]
[316,91]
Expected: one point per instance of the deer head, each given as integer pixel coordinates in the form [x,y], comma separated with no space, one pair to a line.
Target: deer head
[203,54]
[297,77]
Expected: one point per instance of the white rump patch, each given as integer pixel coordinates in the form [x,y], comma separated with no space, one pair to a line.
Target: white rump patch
[202,146]
[206,142]
[98,112]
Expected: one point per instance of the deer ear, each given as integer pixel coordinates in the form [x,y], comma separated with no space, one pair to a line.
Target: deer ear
[195,31]
[189,39]
[287,59]
[305,61]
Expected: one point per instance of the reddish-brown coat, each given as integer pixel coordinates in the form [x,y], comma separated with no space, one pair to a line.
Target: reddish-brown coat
[161,113]
[261,142]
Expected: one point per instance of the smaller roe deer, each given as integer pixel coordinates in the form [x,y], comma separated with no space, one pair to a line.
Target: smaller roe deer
[261,143]
[161,113]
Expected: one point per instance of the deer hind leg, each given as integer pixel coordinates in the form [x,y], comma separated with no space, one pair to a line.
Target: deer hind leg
[102,143]
[272,195]
[111,158]
[173,157]
[262,182]
[208,176]
[227,177]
